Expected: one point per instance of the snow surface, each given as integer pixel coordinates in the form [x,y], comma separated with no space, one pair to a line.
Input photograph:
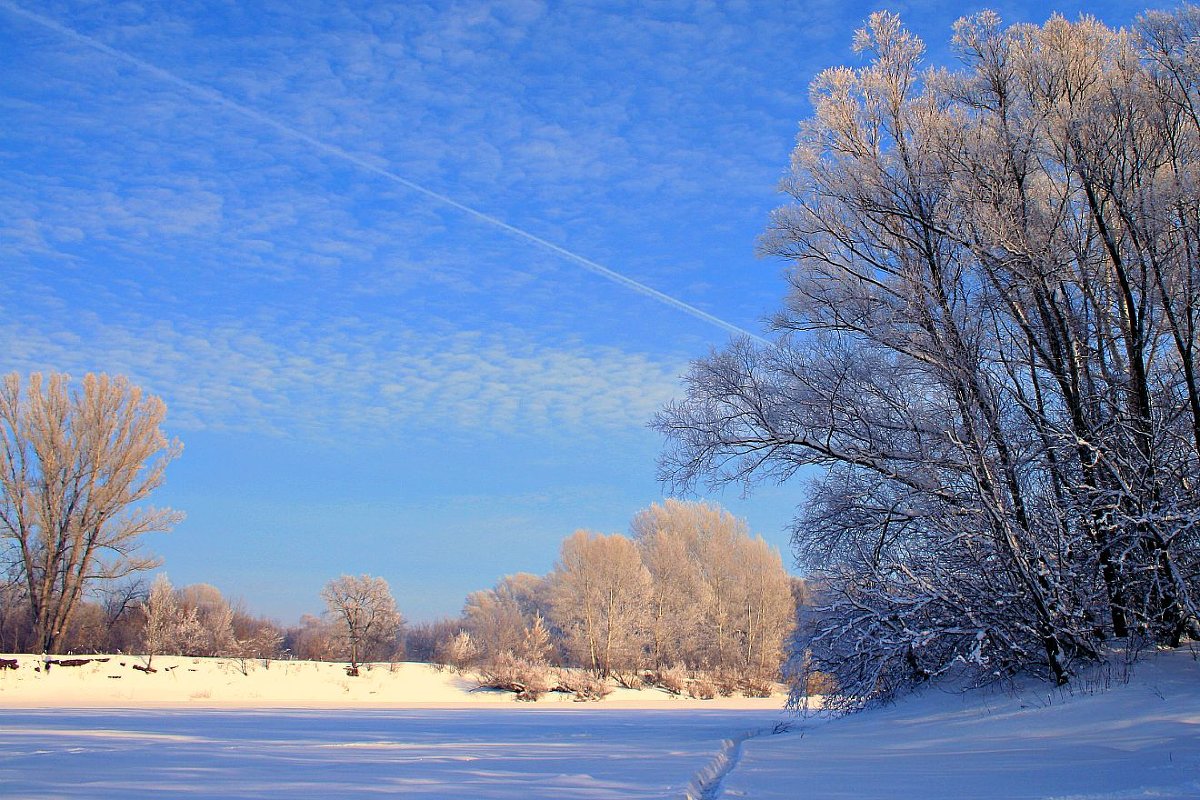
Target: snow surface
[223,682]
[486,753]
[1102,740]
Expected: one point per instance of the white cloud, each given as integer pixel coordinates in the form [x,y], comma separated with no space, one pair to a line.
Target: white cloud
[343,378]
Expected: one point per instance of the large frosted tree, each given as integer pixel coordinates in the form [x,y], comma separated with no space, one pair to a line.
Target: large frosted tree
[987,349]
[76,467]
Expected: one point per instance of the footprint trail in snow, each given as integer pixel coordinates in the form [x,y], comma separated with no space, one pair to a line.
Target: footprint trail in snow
[706,784]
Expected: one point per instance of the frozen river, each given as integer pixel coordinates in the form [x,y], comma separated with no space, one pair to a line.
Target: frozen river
[514,753]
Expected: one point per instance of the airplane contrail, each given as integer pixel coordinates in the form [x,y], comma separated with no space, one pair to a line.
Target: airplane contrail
[216,97]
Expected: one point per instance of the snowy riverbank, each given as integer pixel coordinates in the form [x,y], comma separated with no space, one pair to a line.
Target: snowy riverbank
[117,681]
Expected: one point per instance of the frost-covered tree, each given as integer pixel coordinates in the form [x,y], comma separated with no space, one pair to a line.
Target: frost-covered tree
[168,628]
[426,641]
[987,348]
[537,643]
[668,537]
[365,613]
[75,469]
[599,594]
[765,609]
[314,639]
[213,630]
[495,622]
[719,598]
[501,619]
[196,620]
[254,640]
[254,636]
[459,651]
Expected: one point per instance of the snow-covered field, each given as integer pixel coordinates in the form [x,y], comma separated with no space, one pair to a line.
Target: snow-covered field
[446,753]
[1105,740]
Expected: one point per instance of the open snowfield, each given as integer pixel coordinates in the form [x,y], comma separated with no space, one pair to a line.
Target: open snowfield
[486,753]
[1105,740]
[220,728]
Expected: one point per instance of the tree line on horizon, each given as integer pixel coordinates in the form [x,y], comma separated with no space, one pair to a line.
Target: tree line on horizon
[689,589]
[689,592]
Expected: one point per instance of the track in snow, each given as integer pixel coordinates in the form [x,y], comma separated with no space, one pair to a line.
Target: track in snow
[706,784]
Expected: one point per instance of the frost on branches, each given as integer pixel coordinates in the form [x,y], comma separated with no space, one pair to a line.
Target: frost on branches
[988,348]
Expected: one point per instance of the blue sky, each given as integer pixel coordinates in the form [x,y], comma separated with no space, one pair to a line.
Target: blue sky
[237,205]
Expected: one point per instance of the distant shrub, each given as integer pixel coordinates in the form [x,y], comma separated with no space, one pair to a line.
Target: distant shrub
[527,679]
[459,652]
[630,680]
[757,687]
[584,685]
[672,679]
[702,688]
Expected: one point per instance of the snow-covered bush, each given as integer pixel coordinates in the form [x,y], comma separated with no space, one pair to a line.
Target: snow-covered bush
[702,688]
[529,680]
[726,683]
[629,679]
[460,651]
[671,679]
[583,684]
[757,687]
